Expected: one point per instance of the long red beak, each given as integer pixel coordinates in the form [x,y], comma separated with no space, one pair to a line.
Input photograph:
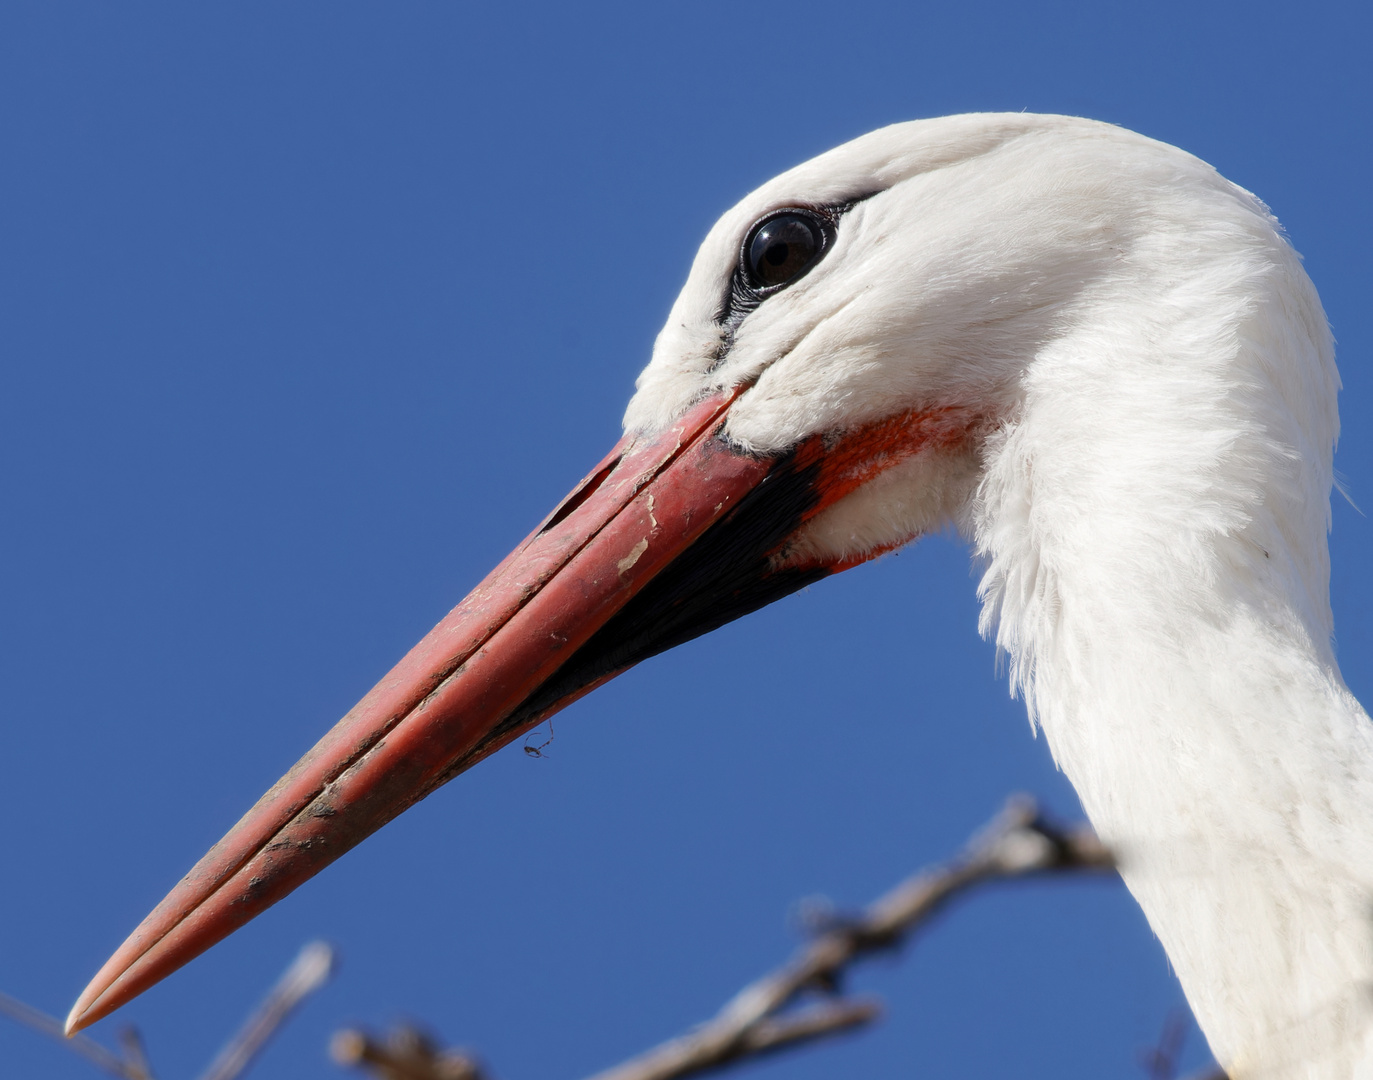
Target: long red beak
[669,537]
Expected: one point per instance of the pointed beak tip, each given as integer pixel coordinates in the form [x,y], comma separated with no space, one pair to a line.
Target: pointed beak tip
[76,1019]
[95,1003]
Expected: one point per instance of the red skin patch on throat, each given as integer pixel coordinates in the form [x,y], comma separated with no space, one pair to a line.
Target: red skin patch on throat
[846,460]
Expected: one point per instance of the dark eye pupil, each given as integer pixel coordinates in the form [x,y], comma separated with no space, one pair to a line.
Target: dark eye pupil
[781,248]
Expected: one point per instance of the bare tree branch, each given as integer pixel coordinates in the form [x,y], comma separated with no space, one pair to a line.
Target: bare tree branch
[134,1067]
[1017,843]
[407,1054]
[309,971]
[767,1016]
[763,1017]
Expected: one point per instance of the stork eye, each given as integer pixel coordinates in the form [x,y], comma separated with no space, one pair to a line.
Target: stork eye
[782,247]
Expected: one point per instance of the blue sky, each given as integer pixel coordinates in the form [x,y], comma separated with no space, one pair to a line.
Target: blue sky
[308,312]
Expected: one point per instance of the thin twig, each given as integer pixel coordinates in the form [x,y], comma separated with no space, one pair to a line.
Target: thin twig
[406,1054]
[1161,1061]
[92,1051]
[309,971]
[814,1022]
[1018,843]
[135,1053]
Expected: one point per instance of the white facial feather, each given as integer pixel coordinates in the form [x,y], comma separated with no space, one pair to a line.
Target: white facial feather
[1148,494]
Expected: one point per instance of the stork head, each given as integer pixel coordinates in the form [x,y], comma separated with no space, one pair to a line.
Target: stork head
[852,340]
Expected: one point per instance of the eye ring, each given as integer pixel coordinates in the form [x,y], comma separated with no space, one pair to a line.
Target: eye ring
[781,247]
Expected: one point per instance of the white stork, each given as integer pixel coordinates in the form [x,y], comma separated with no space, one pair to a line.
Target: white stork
[1104,365]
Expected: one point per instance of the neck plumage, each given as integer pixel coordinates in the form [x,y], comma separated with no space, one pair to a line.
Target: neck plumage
[1153,522]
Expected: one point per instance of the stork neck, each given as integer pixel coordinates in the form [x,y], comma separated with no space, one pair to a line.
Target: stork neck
[1156,572]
